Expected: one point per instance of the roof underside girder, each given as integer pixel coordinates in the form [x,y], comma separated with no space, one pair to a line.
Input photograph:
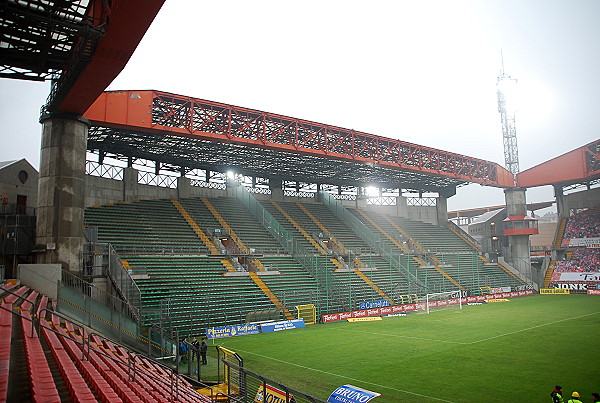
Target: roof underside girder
[257,162]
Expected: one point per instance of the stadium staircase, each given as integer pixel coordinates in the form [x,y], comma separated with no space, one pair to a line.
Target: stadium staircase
[257,264]
[560,233]
[297,227]
[456,256]
[438,283]
[477,247]
[355,264]
[549,273]
[294,285]
[335,291]
[46,357]
[181,285]
[203,237]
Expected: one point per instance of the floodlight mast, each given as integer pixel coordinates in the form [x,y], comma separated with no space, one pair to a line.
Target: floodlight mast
[507,116]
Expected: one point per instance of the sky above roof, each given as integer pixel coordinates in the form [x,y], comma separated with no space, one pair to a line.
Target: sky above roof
[420,71]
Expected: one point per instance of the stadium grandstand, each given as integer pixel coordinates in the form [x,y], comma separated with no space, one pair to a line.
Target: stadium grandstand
[161,218]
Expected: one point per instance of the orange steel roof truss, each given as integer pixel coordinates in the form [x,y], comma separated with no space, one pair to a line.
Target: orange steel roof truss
[169,114]
[578,166]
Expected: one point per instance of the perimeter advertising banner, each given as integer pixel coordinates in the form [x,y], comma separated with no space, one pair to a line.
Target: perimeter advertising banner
[351,394]
[582,242]
[374,304]
[269,394]
[413,307]
[593,292]
[230,331]
[576,276]
[283,325]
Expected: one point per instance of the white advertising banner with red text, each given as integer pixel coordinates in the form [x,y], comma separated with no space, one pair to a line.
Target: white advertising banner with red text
[576,276]
[334,317]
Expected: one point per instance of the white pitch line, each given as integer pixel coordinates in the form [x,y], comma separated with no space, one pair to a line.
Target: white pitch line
[533,327]
[346,377]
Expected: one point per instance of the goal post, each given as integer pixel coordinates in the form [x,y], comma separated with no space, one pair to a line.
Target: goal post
[442,300]
[308,313]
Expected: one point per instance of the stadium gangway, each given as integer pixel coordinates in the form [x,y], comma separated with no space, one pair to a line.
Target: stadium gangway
[288,241]
[372,239]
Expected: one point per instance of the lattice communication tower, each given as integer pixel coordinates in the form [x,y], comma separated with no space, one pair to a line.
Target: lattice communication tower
[505,89]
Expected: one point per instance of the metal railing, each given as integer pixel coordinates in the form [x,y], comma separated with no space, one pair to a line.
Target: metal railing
[207,184]
[70,280]
[12,208]
[382,201]
[123,281]
[384,249]
[468,238]
[290,243]
[293,193]
[149,178]
[247,386]
[421,201]
[112,266]
[103,170]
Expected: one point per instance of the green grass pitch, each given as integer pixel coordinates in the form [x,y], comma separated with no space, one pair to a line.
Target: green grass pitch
[499,352]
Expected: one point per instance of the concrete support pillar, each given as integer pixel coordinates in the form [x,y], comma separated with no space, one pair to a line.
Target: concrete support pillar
[276,184]
[519,245]
[61,190]
[130,184]
[562,204]
[401,206]
[441,209]
[184,189]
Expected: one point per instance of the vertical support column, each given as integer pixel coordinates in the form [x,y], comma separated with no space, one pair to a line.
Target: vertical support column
[130,184]
[276,184]
[562,204]
[519,245]
[184,187]
[441,205]
[61,189]
[441,209]
[401,206]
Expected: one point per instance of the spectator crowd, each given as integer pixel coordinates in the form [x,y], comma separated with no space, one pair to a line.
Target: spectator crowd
[582,260]
[583,225]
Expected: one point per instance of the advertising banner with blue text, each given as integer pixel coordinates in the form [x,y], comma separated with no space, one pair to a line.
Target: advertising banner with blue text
[283,325]
[230,331]
[351,394]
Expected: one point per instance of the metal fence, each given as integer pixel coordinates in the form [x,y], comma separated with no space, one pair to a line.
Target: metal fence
[247,386]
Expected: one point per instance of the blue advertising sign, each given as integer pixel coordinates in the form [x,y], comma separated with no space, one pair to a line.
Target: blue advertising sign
[351,394]
[283,325]
[229,331]
[374,304]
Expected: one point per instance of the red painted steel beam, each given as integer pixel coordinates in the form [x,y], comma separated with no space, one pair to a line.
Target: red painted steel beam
[128,21]
[578,166]
[169,114]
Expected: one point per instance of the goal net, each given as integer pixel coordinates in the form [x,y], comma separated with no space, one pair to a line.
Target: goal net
[441,300]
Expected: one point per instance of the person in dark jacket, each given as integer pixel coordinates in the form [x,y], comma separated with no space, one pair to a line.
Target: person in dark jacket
[557,394]
[203,350]
[195,345]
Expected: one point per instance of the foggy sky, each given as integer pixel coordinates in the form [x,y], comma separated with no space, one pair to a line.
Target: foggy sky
[420,71]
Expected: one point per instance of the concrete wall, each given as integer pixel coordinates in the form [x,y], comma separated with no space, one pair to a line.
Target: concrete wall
[584,199]
[11,185]
[426,214]
[105,191]
[41,277]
